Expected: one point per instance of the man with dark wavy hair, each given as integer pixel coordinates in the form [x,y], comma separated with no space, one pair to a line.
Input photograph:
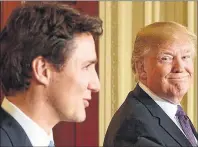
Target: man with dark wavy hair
[47,70]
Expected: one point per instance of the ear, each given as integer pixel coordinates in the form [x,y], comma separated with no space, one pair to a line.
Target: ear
[140,68]
[41,70]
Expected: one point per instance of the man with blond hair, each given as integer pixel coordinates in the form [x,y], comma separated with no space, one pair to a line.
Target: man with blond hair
[151,115]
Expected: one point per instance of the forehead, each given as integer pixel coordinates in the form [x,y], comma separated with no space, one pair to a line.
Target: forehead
[174,46]
[84,47]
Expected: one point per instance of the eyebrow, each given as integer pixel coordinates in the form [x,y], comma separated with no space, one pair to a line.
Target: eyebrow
[187,51]
[165,52]
[94,61]
[169,52]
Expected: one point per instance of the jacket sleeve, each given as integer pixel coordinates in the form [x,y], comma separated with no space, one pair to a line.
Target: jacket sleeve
[141,142]
[4,139]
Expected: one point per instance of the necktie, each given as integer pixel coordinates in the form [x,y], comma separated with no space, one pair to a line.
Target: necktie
[185,124]
[51,144]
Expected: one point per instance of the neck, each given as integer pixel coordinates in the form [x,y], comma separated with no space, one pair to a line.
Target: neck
[36,108]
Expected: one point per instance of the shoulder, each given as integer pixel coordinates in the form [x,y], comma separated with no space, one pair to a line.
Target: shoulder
[132,107]
[136,115]
[12,133]
[130,120]
[4,138]
[7,121]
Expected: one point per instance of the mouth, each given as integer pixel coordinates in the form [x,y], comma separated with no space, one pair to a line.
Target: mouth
[86,102]
[178,78]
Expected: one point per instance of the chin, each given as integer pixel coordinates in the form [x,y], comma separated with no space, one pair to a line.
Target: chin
[80,116]
[80,119]
[176,98]
[175,101]
[74,117]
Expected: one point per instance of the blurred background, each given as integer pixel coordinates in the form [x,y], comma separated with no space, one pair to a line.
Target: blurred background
[121,21]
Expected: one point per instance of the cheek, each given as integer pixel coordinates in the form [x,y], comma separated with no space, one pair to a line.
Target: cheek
[160,72]
[77,86]
[83,77]
[189,65]
[163,70]
[82,84]
[190,69]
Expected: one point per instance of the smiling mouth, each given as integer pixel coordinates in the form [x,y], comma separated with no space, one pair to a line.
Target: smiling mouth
[86,103]
[178,78]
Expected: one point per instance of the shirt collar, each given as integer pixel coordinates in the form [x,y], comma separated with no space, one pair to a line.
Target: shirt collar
[35,133]
[169,108]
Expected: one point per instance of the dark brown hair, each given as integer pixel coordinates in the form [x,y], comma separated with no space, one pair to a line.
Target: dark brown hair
[39,30]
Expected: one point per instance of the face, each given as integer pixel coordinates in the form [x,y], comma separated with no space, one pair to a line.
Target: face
[169,70]
[70,90]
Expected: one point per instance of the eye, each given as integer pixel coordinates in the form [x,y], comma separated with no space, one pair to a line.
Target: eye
[87,67]
[186,57]
[166,58]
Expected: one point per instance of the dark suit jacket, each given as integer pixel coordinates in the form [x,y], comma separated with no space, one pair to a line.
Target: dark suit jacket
[11,133]
[140,117]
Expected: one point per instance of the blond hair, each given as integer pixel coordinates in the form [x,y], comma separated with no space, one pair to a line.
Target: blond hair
[157,34]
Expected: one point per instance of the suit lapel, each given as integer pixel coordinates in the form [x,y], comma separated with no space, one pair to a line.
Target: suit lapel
[194,131]
[164,120]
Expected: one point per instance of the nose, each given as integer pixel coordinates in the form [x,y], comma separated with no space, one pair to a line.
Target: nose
[94,84]
[178,65]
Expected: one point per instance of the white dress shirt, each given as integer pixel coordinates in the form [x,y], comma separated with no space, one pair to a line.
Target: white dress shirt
[36,134]
[169,108]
